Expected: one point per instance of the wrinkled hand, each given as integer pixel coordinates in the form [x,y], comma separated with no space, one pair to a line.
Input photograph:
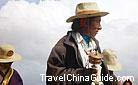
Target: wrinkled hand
[95,58]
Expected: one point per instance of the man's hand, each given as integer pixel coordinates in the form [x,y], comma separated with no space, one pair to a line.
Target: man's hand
[95,58]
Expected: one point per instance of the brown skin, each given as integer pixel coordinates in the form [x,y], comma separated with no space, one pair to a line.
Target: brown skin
[91,29]
[4,67]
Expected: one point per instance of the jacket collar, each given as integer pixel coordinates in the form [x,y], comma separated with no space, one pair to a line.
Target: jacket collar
[71,42]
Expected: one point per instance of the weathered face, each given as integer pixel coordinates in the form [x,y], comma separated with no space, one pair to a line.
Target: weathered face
[93,26]
[4,65]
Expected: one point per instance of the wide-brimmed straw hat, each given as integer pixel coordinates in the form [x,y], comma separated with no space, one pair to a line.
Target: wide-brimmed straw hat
[111,60]
[87,9]
[7,54]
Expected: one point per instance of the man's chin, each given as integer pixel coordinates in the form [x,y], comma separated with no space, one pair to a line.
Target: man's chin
[92,36]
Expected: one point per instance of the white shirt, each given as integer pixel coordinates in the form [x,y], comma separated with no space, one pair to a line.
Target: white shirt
[84,49]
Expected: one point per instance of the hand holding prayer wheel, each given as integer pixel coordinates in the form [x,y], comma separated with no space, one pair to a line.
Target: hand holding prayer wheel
[95,57]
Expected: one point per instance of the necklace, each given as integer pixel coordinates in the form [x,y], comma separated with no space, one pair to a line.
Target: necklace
[86,49]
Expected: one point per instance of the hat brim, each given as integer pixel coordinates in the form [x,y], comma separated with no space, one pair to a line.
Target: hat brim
[15,57]
[86,15]
[116,67]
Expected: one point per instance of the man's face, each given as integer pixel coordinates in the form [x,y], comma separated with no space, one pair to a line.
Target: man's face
[94,26]
[4,65]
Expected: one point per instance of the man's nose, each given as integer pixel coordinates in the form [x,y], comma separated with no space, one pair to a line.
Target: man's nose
[100,27]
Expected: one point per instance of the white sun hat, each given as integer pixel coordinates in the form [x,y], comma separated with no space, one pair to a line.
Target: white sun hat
[7,54]
[111,60]
[87,9]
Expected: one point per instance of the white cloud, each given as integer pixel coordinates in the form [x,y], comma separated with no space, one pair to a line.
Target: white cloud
[33,29]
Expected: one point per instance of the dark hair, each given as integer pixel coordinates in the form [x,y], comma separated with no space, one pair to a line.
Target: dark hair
[127,81]
[76,23]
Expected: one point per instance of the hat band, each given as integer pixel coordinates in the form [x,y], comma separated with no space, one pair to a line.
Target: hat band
[87,12]
[5,57]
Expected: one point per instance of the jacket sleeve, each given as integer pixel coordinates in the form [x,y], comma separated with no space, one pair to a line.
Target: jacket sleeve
[56,66]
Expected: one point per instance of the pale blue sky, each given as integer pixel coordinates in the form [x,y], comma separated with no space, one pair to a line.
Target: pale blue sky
[3,2]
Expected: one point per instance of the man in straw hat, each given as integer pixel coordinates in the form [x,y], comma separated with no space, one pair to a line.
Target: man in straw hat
[9,76]
[78,53]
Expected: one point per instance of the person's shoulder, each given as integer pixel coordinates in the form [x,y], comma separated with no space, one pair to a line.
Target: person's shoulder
[59,46]
[15,72]
[16,78]
[63,39]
